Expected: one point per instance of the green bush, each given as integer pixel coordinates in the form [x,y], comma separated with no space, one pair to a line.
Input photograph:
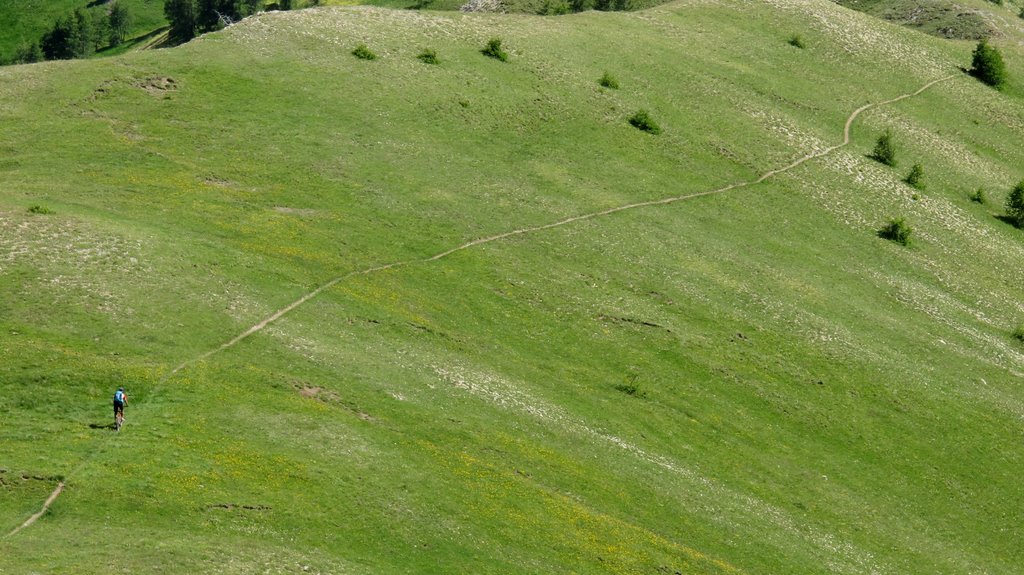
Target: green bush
[797,41]
[978,196]
[897,231]
[916,177]
[643,121]
[428,56]
[363,53]
[609,81]
[885,149]
[987,65]
[1018,334]
[1015,205]
[493,50]
[41,210]
[630,388]
[554,8]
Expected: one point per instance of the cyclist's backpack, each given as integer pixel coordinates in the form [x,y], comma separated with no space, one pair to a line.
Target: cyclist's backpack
[119,396]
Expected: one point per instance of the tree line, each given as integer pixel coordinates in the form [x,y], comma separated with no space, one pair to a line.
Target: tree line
[78,35]
[82,32]
[191,17]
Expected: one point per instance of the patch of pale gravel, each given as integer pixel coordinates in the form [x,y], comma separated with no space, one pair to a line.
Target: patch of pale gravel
[788,132]
[860,34]
[272,561]
[877,193]
[992,106]
[942,307]
[75,265]
[951,149]
[872,193]
[840,556]
[341,26]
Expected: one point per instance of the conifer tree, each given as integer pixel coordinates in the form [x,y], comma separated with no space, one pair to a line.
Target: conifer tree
[206,15]
[83,42]
[182,16]
[1015,205]
[120,19]
[987,65]
[56,44]
[885,149]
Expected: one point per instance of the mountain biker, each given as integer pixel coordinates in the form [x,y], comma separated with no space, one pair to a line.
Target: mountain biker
[120,400]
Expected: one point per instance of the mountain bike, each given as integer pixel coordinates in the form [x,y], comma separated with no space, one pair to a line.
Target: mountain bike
[118,421]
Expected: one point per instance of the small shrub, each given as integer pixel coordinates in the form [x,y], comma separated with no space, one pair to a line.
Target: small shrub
[643,121]
[987,65]
[916,177]
[493,50]
[609,81]
[897,231]
[41,210]
[1021,14]
[885,149]
[1015,205]
[1018,334]
[428,56]
[630,388]
[554,8]
[978,196]
[797,41]
[363,53]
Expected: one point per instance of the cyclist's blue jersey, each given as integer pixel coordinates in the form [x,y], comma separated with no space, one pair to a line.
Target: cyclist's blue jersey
[119,397]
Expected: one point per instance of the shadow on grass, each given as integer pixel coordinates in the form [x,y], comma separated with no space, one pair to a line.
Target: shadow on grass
[1007,220]
[101,426]
[145,41]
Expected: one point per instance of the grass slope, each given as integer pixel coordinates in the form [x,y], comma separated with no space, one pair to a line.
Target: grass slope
[808,398]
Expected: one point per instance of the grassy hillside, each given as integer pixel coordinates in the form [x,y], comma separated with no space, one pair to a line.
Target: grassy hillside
[750,381]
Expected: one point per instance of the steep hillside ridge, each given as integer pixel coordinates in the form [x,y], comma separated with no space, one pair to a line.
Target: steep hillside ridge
[964,20]
[744,382]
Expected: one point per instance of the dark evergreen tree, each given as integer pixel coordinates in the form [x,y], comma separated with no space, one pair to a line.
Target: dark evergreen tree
[83,41]
[56,44]
[1015,205]
[206,15]
[987,65]
[885,149]
[285,4]
[182,16]
[119,21]
[247,7]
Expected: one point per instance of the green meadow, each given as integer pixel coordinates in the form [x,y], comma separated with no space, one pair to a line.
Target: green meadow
[750,381]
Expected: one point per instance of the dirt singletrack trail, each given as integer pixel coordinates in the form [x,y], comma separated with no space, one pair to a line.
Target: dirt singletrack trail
[46,506]
[485,240]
